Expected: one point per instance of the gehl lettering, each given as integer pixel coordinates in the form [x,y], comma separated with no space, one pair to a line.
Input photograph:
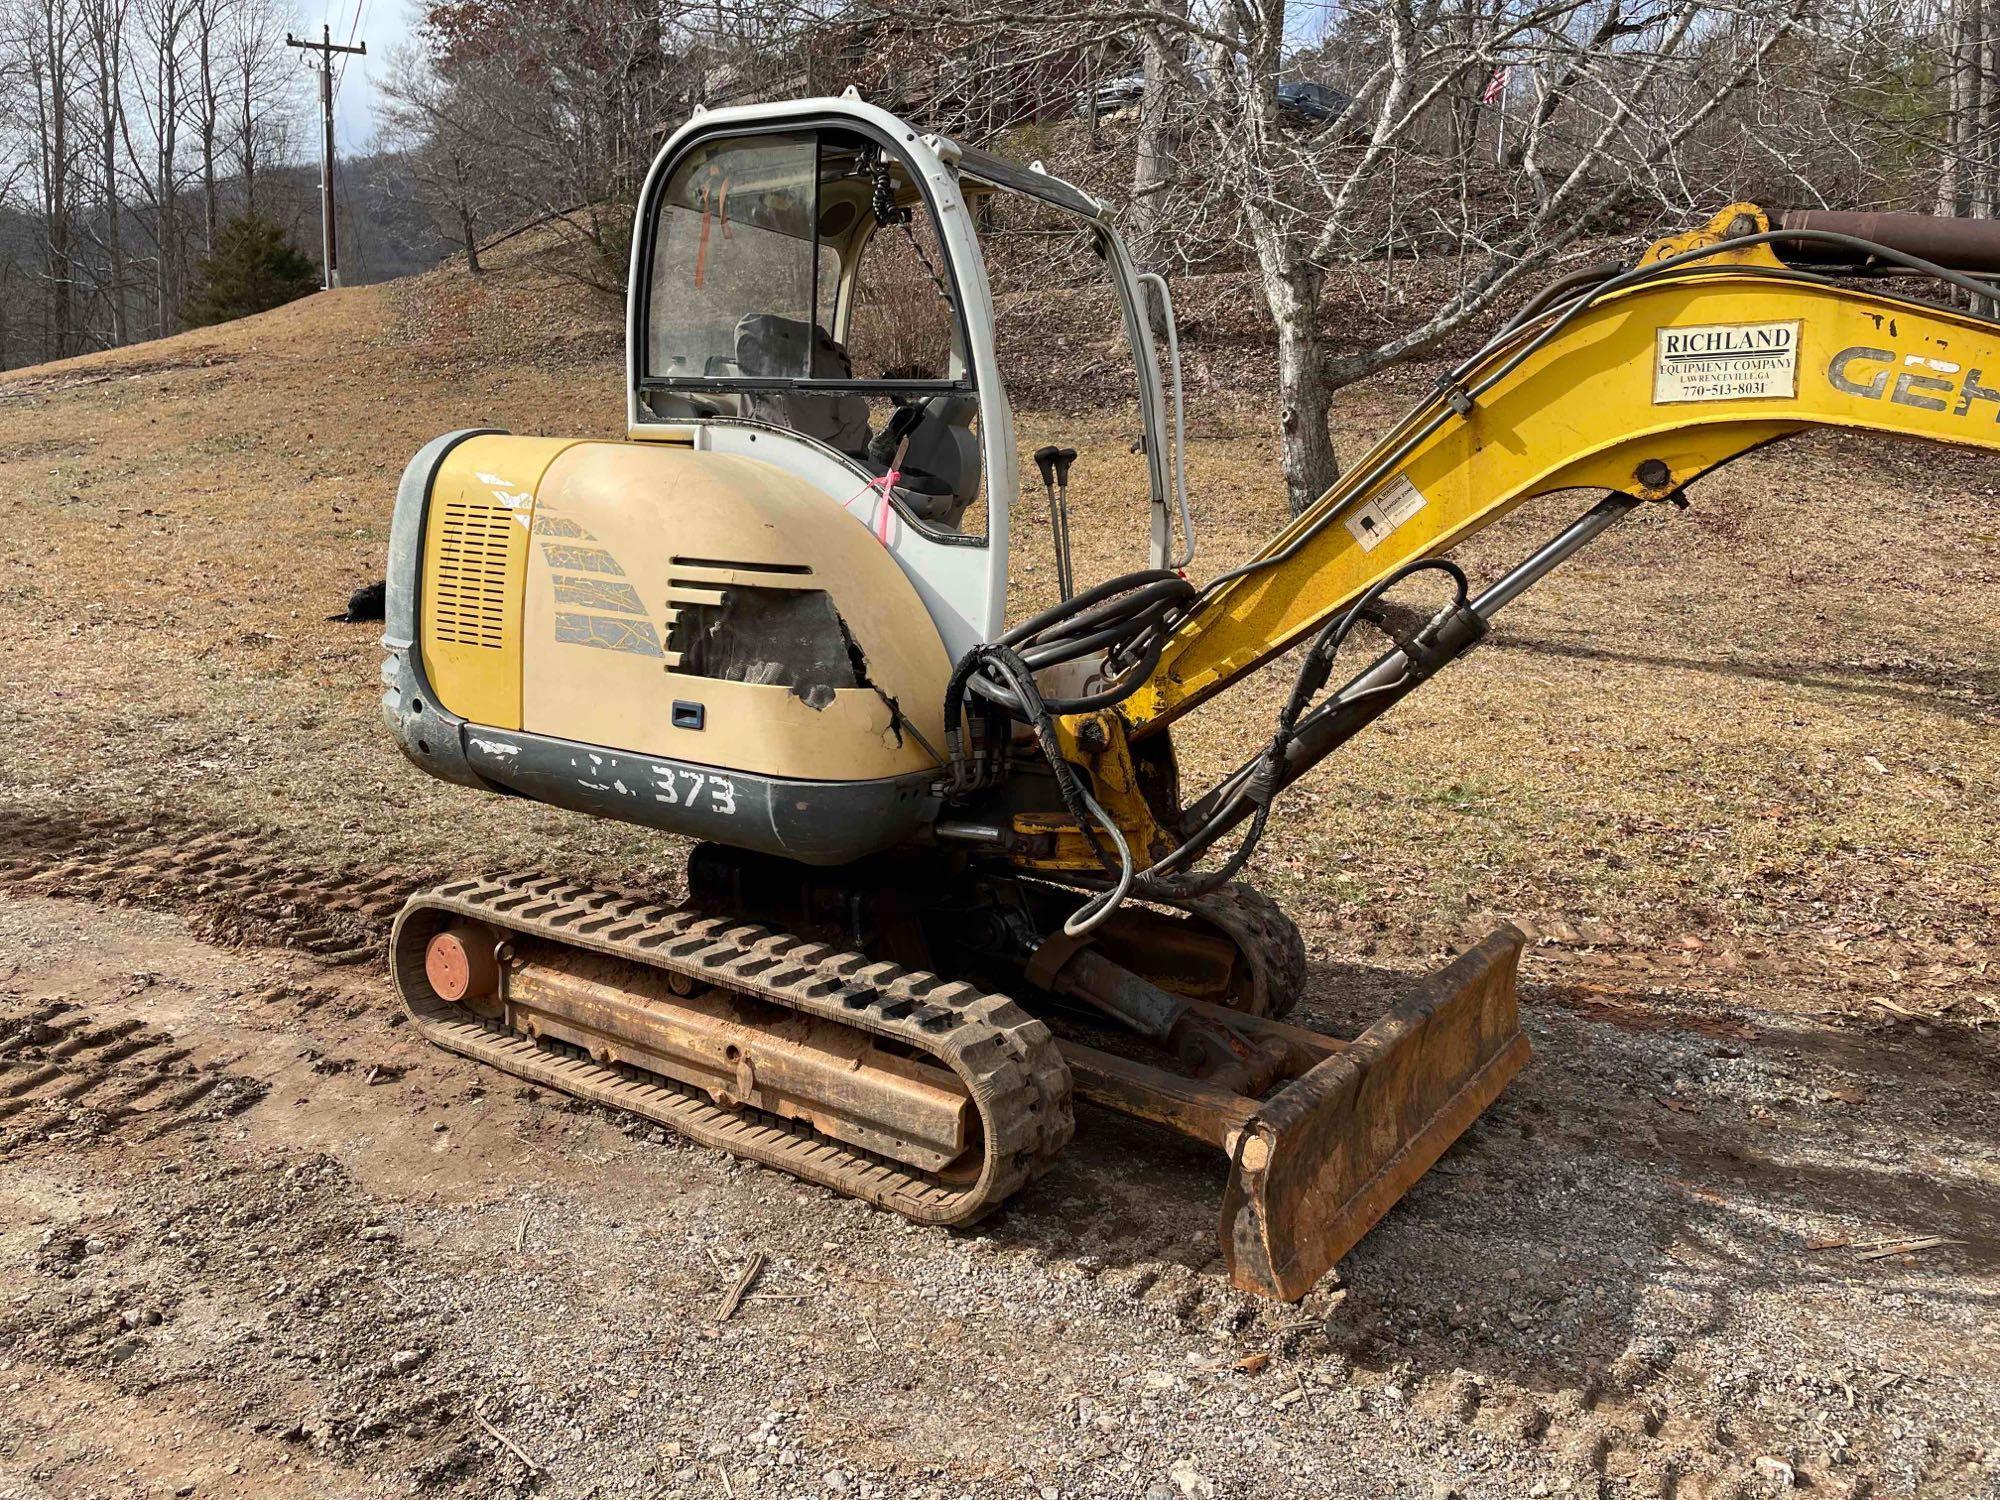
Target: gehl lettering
[1928,389]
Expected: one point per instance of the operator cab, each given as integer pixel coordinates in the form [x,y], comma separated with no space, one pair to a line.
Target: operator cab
[809,291]
[797,282]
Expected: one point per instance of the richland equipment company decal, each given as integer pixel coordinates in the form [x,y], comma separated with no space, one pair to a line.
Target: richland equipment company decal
[1372,523]
[1726,362]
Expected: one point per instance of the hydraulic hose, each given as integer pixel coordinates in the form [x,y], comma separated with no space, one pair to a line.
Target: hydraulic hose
[1130,618]
[1001,675]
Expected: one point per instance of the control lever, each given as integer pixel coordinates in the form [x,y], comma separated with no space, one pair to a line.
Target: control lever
[1054,464]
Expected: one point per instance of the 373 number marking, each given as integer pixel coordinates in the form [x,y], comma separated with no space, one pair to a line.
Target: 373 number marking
[678,787]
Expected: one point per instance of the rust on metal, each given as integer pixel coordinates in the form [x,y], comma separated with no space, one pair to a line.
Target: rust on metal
[1202,1110]
[448,966]
[1199,1110]
[936,1100]
[1185,956]
[742,1054]
[1001,1061]
[1960,244]
[1233,947]
[1323,1160]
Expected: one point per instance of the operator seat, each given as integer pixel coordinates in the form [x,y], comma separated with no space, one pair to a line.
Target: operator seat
[941,468]
[773,347]
[943,450]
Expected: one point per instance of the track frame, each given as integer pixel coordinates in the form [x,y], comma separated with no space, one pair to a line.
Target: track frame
[1005,1058]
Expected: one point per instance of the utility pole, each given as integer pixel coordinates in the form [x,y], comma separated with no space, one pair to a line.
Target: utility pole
[326,47]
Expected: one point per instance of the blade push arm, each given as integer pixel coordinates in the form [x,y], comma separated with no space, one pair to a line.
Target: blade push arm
[1641,391]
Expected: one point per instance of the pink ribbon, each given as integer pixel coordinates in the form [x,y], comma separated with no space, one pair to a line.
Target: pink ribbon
[885,510]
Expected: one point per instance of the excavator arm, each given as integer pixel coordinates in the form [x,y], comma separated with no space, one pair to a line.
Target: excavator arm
[1638,392]
[1715,344]
[1635,383]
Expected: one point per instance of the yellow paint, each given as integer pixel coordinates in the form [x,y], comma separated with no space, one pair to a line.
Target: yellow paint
[1734,222]
[1579,413]
[1114,782]
[475,565]
[661,528]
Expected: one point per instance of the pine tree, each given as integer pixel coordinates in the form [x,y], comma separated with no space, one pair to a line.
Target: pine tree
[253,267]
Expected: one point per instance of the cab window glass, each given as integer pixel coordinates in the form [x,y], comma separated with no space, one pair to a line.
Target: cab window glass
[734,261]
[798,282]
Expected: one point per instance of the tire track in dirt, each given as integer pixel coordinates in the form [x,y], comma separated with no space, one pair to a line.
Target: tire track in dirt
[240,890]
[1623,1431]
[243,884]
[162,1224]
[150,1304]
[64,1068]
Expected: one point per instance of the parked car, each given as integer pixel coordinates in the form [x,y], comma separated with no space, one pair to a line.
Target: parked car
[1113,94]
[1312,101]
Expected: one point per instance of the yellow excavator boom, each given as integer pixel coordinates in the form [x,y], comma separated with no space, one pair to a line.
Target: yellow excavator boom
[1643,391]
[1631,382]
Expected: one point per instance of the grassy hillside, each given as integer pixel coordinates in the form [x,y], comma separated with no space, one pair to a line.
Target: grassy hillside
[1765,723]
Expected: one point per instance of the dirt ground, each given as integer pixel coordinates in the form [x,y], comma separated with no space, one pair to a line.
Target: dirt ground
[1735,1230]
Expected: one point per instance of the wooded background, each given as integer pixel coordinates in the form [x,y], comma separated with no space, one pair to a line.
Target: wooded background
[1452,149]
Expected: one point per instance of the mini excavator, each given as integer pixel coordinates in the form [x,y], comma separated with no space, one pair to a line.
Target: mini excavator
[945,878]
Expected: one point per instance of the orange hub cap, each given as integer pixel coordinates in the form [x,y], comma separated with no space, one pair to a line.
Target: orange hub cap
[448,966]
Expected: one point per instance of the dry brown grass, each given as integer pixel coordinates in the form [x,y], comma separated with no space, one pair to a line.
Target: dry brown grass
[1769,720]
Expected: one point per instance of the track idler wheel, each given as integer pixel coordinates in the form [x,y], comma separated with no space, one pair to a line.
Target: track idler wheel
[462,964]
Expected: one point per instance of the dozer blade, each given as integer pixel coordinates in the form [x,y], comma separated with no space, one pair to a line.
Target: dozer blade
[1321,1161]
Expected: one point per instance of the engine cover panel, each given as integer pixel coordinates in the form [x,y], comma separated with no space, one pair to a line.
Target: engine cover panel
[657,600]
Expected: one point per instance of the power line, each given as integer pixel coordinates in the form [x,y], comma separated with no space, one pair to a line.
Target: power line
[327,49]
[360,10]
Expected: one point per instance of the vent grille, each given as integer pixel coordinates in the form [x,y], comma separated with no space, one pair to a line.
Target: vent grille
[474,542]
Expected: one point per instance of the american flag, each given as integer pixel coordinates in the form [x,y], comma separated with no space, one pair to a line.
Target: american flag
[1496,86]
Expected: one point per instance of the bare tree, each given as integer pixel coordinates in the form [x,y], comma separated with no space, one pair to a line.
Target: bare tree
[1312,194]
[205,20]
[260,76]
[1966,160]
[13,171]
[578,91]
[155,157]
[1154,150]
[1985,115]
[1393,171]
[46,34]
[104,33]
[446,127]
[98,99]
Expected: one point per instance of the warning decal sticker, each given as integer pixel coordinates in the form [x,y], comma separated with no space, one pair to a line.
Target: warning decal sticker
[1372,523]
[1726,362]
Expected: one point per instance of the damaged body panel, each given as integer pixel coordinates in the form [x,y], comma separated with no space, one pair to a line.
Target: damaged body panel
[590,605]
[791,638]
[772,630]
